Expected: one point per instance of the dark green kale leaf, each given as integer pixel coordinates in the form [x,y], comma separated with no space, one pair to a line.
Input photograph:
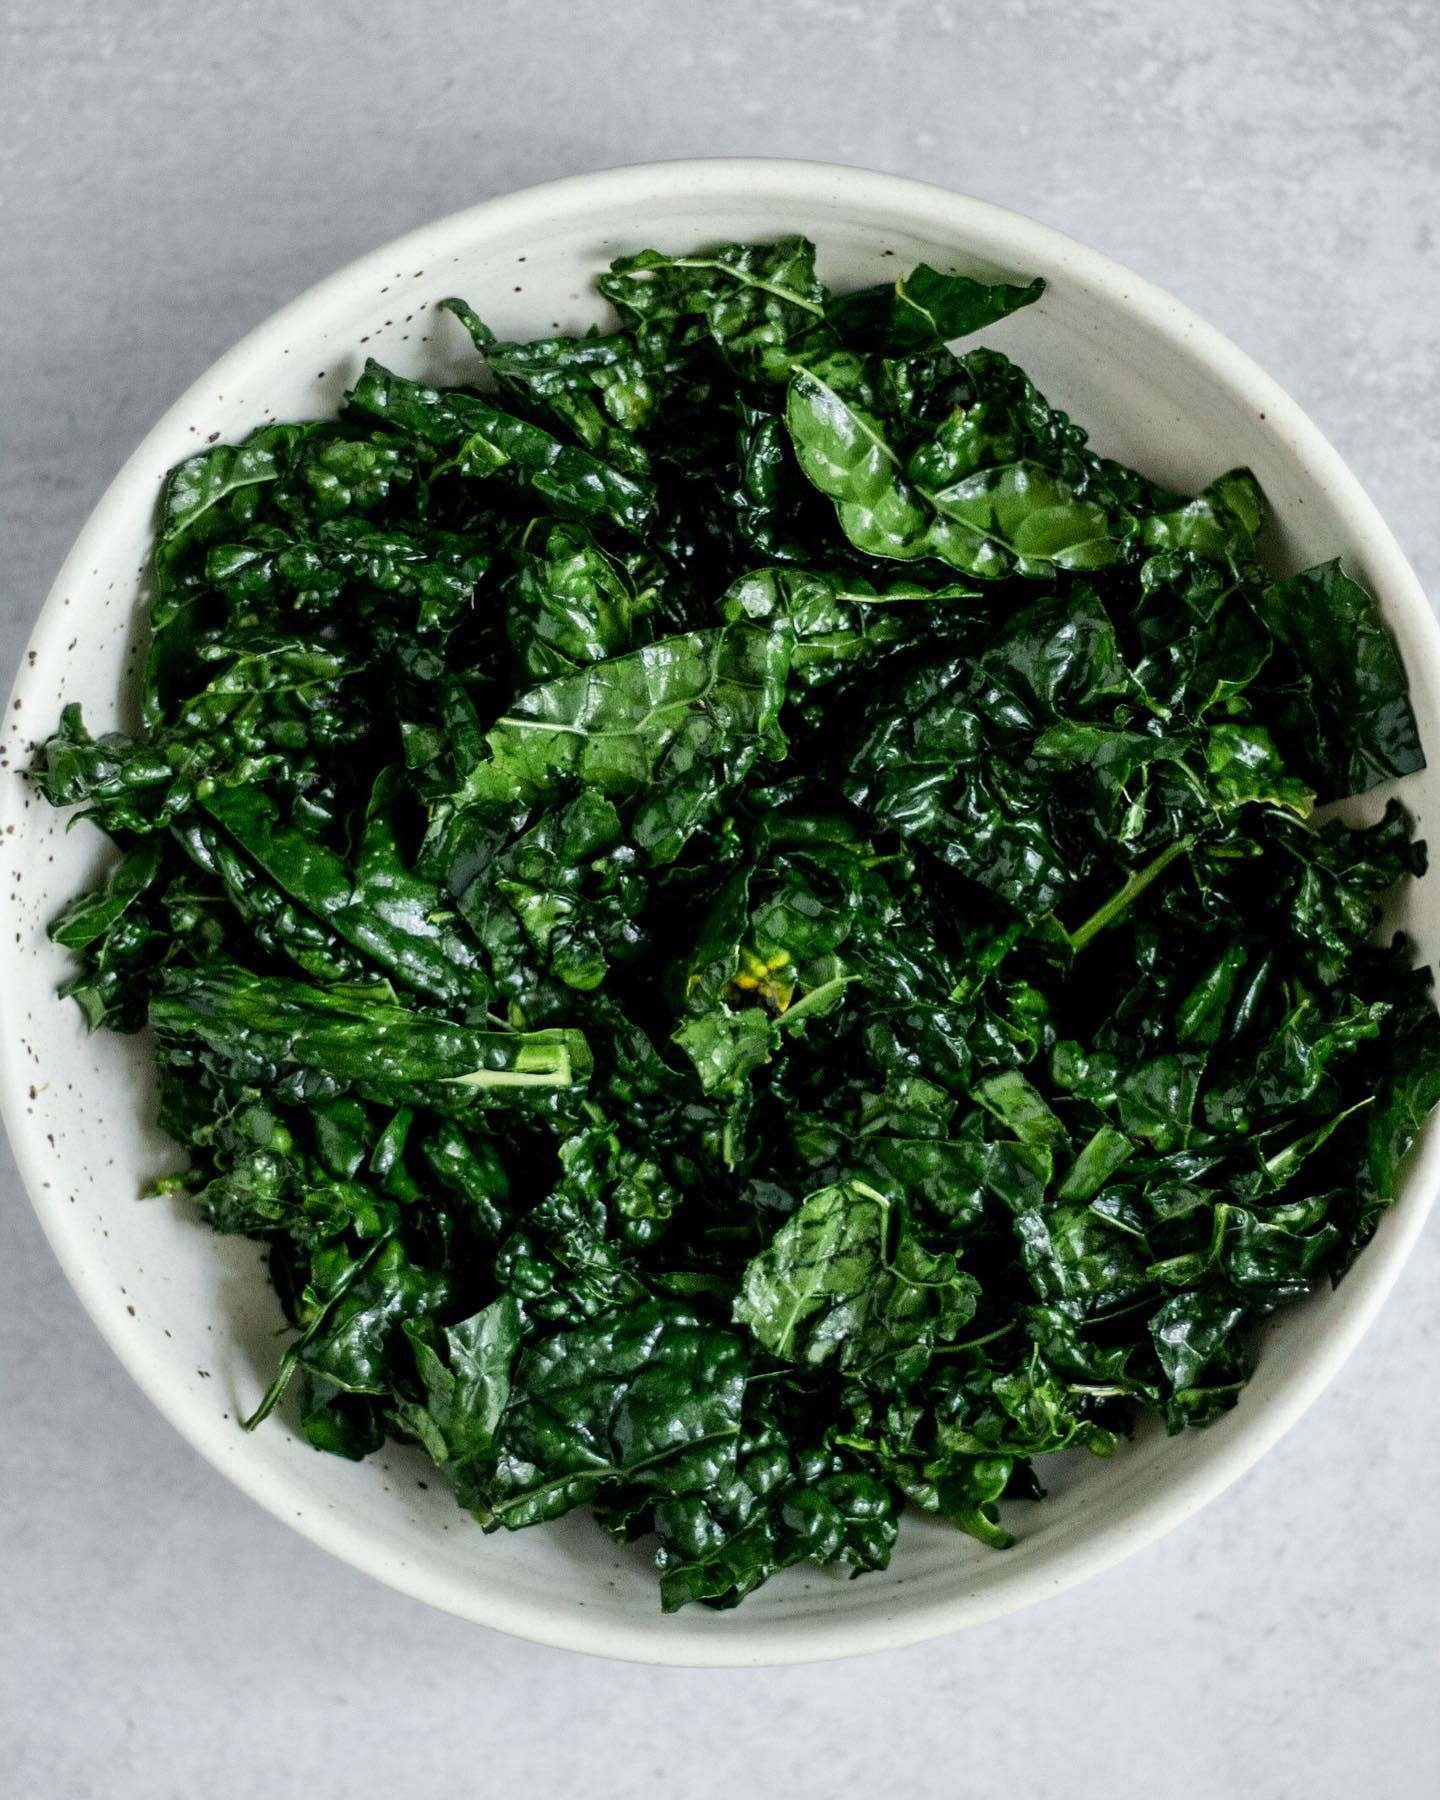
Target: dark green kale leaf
[259,1028]
[780,1509]
[670,728]
[755,301]
[1348,724]
[379,906]
[465,1369]
[1000,487]
[925,309]
[466,436]
[649,1397]
[839,622]
[574,603]
[845,1277]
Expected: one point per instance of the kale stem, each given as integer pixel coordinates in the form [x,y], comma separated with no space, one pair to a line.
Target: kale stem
[1146,1299]
[975,1342]
[1125,897]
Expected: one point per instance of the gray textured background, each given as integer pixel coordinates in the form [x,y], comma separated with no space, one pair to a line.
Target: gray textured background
[170,173]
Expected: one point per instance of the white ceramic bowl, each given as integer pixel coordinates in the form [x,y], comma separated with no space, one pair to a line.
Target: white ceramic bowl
[192,1316]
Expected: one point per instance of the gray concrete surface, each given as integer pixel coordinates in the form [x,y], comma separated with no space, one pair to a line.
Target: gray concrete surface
[170,173]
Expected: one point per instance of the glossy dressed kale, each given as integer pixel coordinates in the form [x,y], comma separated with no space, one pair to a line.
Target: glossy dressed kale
[739,910]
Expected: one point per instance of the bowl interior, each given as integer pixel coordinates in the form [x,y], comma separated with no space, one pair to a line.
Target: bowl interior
[192,1314]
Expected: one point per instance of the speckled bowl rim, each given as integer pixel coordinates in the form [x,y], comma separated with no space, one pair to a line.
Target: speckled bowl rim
[1027,245]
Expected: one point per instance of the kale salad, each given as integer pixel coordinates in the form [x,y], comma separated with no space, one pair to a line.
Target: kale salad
[740,912]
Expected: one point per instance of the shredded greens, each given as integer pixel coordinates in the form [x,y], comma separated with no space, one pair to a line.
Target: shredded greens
[740,912]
